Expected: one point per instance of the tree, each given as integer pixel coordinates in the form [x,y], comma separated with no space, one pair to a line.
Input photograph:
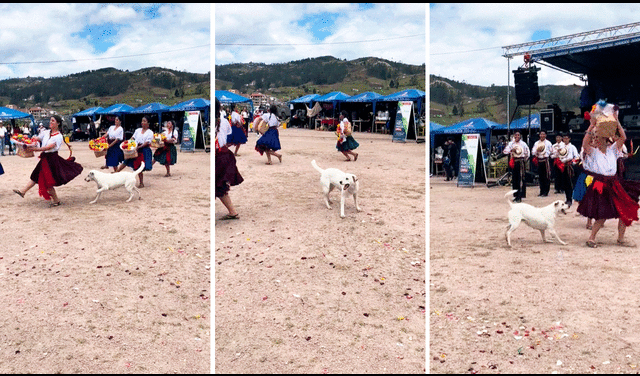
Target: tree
[455,110]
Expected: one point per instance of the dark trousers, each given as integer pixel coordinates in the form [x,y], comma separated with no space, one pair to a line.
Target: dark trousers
[557,176]
[518,179]
[544,176]
[566,181]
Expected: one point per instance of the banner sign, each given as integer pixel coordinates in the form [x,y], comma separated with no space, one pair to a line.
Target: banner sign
[189,131]
[468,155]
[403,117]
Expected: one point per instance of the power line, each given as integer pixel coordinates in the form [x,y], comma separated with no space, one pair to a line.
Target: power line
[101,58]
[316,44]
[463,52]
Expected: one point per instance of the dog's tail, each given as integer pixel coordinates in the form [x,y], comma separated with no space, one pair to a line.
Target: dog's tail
[509,196]
[313,163]
[139,170]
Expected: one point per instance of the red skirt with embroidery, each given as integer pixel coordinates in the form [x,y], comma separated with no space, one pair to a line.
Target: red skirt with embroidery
[53,171]
[609,197]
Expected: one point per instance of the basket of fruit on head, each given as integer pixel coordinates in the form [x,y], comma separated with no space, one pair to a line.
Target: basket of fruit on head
[22,142]
[129,149]
[99,146]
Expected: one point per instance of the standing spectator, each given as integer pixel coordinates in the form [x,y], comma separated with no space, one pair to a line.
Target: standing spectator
[3,132]
[449,158]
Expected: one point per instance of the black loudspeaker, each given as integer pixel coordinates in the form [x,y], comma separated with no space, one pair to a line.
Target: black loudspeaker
[547,120]
[526,84]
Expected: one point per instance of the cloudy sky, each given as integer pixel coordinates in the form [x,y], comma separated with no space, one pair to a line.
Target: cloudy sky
[466,40]
[243,34]
[51,40]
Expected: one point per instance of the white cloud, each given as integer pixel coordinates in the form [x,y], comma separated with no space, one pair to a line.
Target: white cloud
[284,23]
[48,32]
[482,29]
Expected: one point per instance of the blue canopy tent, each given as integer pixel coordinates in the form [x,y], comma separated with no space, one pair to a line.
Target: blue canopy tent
[476,125]
[118,109]
[366,97]
[75,124]
[151,109]
[300,107]
[335,98]
[414,95]
[433,130]
[198,104]
[521,123]
[10,114]
[227,97]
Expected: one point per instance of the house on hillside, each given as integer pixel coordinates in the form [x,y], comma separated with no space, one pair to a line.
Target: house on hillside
[38,112]
[259,99]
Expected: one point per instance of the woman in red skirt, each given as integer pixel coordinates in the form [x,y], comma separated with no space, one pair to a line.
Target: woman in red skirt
[607,196]
[52,170]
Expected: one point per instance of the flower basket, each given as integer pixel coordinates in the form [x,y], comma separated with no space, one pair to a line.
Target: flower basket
[128,147]
[130,154]
[155,143]
[100,153]
[23,151]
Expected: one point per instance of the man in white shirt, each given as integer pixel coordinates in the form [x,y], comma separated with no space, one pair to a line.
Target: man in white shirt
[3,131]
[519,154]
[542,152]
[567,153]
[555,172]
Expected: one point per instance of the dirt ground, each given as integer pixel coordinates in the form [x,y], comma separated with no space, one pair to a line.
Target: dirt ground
[300,290]
[112,287]
[532,308]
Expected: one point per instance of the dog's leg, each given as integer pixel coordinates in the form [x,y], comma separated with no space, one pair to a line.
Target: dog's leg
[544,238]
[554,233]
[343,193]
[513,225]
[97,197]
[355,199]
[326,190]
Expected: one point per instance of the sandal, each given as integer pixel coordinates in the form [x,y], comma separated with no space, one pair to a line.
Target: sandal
[18,193]
[55,204]
[626,243]
[229,216]
[592,244]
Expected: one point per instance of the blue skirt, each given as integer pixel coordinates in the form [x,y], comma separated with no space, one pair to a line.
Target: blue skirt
[237,136]
[114,156]
[349,144]
[270,140]
[143,155]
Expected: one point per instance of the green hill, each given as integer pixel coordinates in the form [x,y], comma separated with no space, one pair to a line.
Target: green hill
[448,97]
[104,87]
[321,75]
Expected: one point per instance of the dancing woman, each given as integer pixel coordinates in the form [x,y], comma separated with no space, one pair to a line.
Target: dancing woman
[52,170]
[607,196]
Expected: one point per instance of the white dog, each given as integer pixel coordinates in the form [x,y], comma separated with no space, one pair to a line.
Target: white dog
[107,181]
[541,219]
[334,178]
